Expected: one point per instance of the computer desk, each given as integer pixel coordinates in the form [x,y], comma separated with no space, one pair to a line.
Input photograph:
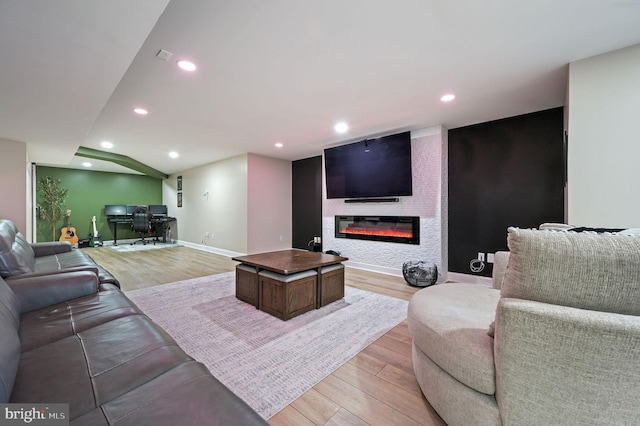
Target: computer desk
[162,220]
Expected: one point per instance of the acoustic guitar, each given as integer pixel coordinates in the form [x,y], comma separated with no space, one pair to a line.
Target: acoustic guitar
[68,233]
[95,240]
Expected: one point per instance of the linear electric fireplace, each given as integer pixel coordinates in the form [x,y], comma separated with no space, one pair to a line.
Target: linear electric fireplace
[394,229]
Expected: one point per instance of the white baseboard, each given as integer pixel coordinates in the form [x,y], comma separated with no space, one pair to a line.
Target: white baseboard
[397,272]
[374,268]
[210,249]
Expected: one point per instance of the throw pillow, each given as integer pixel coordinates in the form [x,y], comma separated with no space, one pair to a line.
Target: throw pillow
[583,270]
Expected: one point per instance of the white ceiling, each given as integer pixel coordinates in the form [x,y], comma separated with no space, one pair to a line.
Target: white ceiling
[281,71]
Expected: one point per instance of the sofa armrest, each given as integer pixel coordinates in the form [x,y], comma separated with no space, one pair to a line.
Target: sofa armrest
[47,290]
[49,248]
[555,363]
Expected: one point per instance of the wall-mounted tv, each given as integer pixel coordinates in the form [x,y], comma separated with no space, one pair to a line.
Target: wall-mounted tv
[370,168]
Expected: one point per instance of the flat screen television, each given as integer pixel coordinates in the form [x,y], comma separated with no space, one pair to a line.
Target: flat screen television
[371,168]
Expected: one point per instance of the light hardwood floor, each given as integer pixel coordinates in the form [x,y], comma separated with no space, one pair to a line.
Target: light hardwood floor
[376,387]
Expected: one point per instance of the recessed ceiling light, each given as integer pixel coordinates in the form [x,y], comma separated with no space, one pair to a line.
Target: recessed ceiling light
[140,111]
[341,127]
[174,154]
[87,164]
[186,65]
[448,97]
[106,144]
[279,145]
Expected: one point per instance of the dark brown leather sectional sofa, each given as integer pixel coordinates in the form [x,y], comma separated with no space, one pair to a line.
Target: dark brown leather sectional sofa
[67,338]
[21,259]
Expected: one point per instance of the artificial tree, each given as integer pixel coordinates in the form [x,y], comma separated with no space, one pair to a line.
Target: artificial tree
[51,202]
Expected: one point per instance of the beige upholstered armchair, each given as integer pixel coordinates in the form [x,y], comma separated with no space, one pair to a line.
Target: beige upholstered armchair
[565,348]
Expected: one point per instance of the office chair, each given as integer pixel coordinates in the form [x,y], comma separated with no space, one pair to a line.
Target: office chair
[142,224]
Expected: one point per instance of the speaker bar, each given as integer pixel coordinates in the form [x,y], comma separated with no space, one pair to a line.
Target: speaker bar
[372,200]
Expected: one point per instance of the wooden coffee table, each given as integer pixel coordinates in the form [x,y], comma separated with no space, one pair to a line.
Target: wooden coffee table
[291,298]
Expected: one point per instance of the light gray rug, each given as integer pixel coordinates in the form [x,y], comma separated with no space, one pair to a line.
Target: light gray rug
[265,361]
[128,247]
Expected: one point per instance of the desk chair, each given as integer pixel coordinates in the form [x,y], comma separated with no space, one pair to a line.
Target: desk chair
[142,224]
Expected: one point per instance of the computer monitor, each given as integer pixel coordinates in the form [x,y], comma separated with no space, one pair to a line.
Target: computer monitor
[132,208]
[115,210]
[158,209]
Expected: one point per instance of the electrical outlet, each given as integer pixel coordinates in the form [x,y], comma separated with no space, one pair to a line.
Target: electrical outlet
[481,257]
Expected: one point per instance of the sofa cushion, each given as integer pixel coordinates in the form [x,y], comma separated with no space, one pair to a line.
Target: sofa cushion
[47,248]
[9,341]
[583,270]
[16,255]
[449,322]
[9,306]
[63,260]
[72,260]
[97,365]
[9,358]
[453,401]
[37,292]
[186,394]
[56,322]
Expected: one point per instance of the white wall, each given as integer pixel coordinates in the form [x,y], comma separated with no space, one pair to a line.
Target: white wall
[15,187]
[604,140]
[429,202]
[240,205]
[222,213]
[269,204]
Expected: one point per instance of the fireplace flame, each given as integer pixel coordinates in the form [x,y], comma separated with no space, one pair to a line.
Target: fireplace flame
[381,232]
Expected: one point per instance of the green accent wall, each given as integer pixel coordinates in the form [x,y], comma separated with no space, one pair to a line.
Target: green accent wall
[88,193]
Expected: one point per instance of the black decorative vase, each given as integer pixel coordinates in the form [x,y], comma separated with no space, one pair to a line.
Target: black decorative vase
[420,274]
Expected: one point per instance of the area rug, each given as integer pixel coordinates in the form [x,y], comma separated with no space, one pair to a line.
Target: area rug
[266,361]
[128,247]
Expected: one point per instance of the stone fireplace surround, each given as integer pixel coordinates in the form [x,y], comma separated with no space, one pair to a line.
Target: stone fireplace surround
[428,202]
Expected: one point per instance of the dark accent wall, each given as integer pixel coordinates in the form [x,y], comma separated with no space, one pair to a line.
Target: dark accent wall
[89,191]
[503,173]
[307,201]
